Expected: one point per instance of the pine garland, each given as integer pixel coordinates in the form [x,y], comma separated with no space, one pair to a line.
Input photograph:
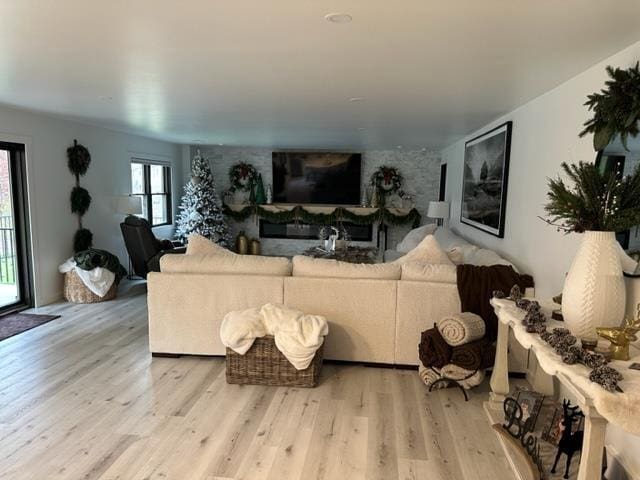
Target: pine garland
[340,214]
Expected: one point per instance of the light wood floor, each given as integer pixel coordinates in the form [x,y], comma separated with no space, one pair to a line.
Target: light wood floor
[81,398]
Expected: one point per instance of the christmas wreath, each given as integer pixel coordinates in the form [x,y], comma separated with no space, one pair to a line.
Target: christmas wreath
[387,179]
[242,175]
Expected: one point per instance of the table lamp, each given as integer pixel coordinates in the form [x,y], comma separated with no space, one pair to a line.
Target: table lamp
[439,211]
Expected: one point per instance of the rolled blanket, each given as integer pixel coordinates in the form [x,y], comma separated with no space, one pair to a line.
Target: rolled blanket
[428,375]
[433,350]
[467,378]
[461,328]
[475,355]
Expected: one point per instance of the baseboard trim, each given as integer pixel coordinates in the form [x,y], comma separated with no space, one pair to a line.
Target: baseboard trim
[617,468]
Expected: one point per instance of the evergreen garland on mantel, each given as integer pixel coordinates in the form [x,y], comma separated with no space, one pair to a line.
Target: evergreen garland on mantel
[340,214]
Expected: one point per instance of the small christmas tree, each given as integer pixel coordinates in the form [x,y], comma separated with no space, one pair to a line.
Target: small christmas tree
[200,210]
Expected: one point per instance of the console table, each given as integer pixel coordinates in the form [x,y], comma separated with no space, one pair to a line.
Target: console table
[599,406]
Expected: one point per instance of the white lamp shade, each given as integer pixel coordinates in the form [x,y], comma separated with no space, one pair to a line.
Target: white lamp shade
[129,205]
[438,210]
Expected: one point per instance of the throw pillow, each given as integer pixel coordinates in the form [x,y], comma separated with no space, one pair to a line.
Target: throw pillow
[447,239]
[414,237]
[427,251]
[199,245]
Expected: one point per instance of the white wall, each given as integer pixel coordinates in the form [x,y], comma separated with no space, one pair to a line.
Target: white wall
[545,133]
[421,171]
[50,183]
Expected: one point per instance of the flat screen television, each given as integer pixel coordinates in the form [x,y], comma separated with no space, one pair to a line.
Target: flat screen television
[316,177]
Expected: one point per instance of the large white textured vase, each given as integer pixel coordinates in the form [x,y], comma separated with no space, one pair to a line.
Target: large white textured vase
[594,291]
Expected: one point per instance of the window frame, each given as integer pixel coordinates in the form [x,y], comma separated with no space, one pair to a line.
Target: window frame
[148,195]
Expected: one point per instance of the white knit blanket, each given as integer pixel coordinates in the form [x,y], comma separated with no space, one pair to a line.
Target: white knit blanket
[296,334]
[461,328]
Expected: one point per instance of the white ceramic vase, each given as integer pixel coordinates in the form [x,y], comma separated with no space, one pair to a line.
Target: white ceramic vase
[594,290]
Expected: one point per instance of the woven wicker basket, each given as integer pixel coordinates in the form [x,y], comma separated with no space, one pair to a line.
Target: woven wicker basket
[264,364]
[77,292]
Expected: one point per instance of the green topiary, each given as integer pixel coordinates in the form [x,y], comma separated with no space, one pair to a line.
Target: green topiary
[79,159]
[596,201]
[80,200]
[616,108]
[82,240]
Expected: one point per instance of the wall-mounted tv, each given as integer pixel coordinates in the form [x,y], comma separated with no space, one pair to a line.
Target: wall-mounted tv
[316,177]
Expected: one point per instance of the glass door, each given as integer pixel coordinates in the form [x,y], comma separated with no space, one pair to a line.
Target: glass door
[15,283]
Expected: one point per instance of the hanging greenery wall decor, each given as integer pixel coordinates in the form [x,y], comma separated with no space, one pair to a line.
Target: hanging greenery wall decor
[242,176]
[616,108]
[78,161]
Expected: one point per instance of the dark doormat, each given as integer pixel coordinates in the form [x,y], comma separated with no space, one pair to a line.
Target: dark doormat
[15,323]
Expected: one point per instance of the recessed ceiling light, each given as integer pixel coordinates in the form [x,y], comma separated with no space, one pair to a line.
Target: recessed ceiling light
[338,17]
[398,146]
[356,99]
[221,144]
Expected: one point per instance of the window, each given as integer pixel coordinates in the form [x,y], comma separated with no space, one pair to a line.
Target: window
[152,183]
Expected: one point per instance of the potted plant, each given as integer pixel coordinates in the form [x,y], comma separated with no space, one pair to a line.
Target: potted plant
[597,204]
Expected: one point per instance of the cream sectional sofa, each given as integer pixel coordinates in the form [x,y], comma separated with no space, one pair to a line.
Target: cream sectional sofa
[374,315]
[376,312]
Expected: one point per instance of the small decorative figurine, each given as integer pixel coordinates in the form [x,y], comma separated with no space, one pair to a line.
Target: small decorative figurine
[570,442]
[515,294]
[620,338]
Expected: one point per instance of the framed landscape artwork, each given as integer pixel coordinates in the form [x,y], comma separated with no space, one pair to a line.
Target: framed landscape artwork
[486,172]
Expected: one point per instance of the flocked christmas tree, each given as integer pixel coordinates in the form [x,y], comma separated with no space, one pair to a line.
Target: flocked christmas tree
[200,210]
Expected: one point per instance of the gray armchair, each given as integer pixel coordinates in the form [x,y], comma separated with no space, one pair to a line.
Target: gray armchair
[144,249]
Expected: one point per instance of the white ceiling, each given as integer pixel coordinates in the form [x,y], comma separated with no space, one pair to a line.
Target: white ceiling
[276,73]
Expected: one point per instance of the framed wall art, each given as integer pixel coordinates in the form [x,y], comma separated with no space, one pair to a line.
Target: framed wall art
[485,177]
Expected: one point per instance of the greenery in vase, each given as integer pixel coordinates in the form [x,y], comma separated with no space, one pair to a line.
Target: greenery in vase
[616,108]
[596,200]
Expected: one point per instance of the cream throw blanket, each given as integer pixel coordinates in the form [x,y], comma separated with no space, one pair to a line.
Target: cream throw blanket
[297,335]
[453,372]
[461,328]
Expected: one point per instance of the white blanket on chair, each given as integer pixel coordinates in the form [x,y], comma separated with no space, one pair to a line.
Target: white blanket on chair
[296,334]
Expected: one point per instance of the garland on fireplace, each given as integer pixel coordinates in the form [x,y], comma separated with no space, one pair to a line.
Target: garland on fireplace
[340,214]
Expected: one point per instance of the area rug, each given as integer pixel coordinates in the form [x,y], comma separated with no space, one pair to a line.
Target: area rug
[15,323]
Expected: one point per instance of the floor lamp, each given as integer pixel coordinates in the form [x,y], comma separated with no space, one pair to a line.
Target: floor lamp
[439,211]
[129,205]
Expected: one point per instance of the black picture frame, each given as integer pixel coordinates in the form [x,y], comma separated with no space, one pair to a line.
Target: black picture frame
[484,200]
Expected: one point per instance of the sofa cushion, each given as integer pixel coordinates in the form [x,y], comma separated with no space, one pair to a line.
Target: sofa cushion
[429,272]
[226,264]
[199,245]
[427,251]
[414,237]
[304,266]
[484,257]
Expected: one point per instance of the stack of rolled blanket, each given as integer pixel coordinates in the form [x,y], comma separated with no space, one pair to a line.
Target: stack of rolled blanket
[456,348]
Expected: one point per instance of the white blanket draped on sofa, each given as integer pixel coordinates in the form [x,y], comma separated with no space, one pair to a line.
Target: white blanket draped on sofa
[296,334]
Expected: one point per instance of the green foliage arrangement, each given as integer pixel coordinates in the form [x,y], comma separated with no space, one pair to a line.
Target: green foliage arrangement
[616,108]
[80,200]
[596,201]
